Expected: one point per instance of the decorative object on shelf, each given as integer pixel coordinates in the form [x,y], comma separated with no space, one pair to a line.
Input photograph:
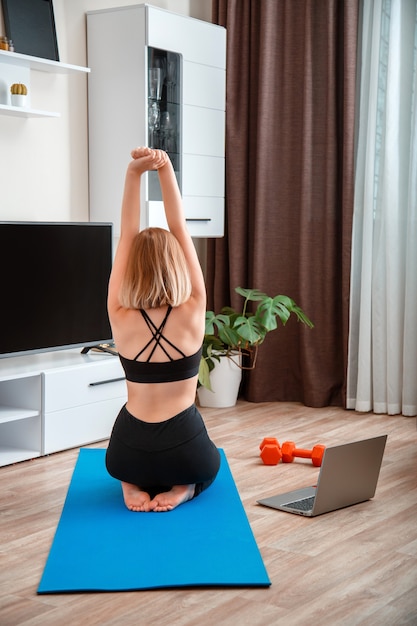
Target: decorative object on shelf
[171,77]
[19,94]
[231,332]
[31,25]
[4,43]
[155,87]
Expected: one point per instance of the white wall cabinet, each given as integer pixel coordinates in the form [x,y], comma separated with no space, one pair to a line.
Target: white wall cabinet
[124,45]
[57,400]
[17,68]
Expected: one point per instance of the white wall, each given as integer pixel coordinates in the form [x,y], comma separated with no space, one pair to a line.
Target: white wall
[44,161]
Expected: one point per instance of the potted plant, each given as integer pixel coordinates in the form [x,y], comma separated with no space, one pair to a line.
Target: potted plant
[18,94]
[236,336]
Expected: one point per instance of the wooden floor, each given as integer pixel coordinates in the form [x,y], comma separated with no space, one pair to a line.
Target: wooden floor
[354,566]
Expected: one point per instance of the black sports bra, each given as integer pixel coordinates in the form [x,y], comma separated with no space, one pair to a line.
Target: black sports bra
[166,371]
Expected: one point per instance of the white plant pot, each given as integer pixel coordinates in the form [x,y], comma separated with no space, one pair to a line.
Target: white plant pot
[18,100]
[225,381]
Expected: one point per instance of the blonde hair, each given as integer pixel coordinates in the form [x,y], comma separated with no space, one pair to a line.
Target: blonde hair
[157,273]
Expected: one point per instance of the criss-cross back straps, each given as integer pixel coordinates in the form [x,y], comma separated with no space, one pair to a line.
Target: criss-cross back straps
[157,336]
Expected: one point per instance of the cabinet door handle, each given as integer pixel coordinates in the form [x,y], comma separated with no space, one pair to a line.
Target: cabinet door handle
[198,219]
[104,382]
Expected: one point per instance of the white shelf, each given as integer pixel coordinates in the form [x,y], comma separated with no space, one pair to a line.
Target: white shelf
[24,112]
[58,400]
[15,67]
[37,63]
[11,455]
[11,414]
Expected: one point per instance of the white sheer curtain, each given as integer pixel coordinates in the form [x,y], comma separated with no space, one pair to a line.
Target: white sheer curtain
[382,362]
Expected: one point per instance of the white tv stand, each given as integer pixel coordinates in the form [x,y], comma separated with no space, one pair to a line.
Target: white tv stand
[57,400]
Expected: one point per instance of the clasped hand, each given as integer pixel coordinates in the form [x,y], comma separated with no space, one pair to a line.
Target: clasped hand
[145,159]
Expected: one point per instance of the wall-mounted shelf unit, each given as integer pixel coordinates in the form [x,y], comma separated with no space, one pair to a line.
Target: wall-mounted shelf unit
[36,63]
[24,112]
[16,68]
[167,74]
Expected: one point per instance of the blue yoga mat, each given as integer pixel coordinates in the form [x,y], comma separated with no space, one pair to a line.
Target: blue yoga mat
[100,545]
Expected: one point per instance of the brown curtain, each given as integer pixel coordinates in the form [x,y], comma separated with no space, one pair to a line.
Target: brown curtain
[289,185]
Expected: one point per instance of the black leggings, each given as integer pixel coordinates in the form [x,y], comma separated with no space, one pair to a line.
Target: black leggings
[157,456]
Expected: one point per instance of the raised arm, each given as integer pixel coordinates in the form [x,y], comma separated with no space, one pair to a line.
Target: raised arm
[174,213]
[144,159]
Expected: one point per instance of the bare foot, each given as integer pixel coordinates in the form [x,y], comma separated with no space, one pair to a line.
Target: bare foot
[136,499]
[168,500]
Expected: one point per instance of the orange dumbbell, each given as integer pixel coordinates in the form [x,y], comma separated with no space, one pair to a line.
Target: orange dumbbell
[270,451]
[289,452]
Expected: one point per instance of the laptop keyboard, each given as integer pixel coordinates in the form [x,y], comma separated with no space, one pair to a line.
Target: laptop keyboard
[306,504]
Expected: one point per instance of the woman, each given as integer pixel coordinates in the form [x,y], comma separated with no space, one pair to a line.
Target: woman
[159,447]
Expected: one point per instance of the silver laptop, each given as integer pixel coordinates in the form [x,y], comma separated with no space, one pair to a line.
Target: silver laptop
[348,475]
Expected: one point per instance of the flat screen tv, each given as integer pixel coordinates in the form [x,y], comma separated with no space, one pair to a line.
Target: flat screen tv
[54,279]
